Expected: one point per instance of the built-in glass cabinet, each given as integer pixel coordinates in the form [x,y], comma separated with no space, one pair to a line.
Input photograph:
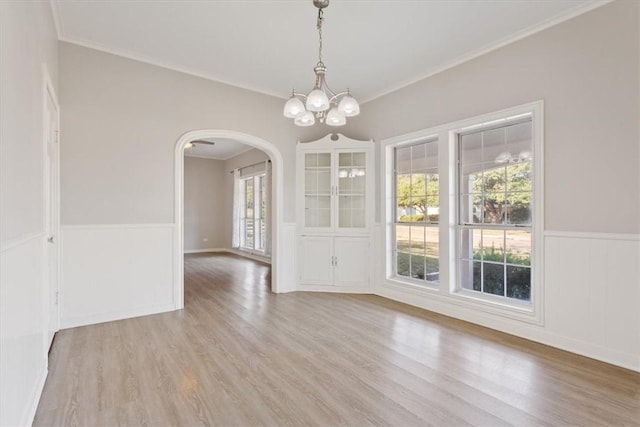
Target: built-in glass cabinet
[335,211]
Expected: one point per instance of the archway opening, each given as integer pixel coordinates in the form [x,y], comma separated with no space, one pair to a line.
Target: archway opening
[276,203]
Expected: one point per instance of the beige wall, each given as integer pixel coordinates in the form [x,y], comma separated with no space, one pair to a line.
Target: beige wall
[205,204]
[586,71]
[208,199]
[27,43]
[122,119]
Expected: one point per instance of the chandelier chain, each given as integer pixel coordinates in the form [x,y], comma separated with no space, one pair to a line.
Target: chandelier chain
[319,26]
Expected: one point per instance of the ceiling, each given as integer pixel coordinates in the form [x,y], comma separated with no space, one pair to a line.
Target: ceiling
[222,149]
[372,47]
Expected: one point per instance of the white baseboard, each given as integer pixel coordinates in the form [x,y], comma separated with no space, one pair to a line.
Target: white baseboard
[114,315]
[335,289]
[200,251]
[34,398]
[250,255]
[231,251]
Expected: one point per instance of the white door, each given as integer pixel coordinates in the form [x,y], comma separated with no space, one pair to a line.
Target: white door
[352,261]
[316,261]
[52,213]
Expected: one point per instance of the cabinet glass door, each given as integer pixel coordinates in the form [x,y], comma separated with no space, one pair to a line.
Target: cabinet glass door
[352,171]
[317,190]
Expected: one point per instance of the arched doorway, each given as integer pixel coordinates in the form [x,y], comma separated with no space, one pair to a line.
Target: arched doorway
[276,200]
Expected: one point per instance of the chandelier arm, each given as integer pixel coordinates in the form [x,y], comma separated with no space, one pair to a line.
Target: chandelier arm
[335,97]
[326,88]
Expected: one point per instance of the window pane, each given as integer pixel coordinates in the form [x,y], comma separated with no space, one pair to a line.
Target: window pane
[471,209]
[248,198]
[417,266]
[248,233]
[519,177]
[492,245]
[518,247]
[493,278]
[417,240]
[470,244]
[403,236]
[417,201]
[519,283]
[402,264]
[403,160]
[432,250]
[470,275]
[419,158]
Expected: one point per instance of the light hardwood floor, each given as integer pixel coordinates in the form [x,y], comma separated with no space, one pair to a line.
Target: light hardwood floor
[240,355]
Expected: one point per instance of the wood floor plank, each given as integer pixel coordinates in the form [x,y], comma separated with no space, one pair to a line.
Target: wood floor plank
[240,355]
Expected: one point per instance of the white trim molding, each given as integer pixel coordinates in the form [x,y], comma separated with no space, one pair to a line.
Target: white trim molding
[592,235]
[242,253]
[203,251]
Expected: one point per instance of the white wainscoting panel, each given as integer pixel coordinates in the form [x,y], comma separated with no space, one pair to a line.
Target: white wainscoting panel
[112,272]
[592,294]
[23,357]
[287,250]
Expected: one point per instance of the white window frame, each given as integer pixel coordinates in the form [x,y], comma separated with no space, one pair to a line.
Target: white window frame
[257,217]
[447,290]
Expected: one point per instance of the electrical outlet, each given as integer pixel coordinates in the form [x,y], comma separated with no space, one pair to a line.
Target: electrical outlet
[205,239]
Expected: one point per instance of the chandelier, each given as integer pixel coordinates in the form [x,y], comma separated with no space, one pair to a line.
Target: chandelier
[321,103]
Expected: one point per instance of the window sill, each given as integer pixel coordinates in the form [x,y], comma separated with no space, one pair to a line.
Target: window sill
[421,287]
[515,310]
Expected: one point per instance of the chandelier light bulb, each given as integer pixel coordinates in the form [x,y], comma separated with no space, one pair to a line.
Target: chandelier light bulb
[294,108]
[317,100]
[336,118]
[307,119]
[188,145]
[349,106]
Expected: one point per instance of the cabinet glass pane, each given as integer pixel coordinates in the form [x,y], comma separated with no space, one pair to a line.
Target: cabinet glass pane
[317,211]
[351,211]
[317,160]
[351,190]
[317,189]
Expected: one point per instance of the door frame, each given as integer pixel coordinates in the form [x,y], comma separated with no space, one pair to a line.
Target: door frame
[51,210]
[277,226]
